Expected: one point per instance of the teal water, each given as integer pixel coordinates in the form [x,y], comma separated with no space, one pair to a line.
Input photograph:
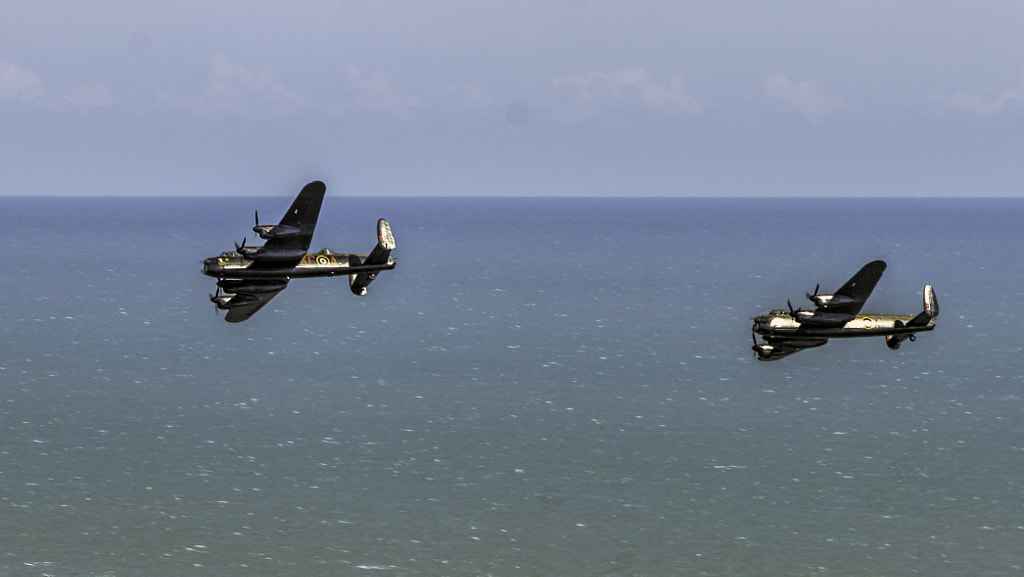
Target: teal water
[541,387]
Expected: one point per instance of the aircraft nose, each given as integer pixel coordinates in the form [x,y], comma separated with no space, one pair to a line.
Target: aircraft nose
[760,324]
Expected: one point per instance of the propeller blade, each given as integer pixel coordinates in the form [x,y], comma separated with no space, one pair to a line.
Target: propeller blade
[257,213]
[810,296]
[238,248]
[213,299]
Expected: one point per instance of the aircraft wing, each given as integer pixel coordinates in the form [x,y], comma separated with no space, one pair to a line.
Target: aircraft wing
[250,298]
[850,298]
[295,231]
[775,348]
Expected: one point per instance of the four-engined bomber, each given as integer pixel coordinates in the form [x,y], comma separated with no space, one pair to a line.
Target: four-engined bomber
[838,316]
[249,276]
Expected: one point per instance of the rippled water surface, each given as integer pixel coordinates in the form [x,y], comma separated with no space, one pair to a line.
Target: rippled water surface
[541,387]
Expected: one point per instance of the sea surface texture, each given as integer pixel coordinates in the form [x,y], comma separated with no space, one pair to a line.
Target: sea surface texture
[542,387]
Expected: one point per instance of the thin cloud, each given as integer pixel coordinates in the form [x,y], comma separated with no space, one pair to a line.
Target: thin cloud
[981,102]
[373,92]
[470,96]
[809,99]
[95,95]
[629,87]
[234,90]
[18,82]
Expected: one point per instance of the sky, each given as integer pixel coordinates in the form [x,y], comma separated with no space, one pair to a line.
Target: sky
[915,98]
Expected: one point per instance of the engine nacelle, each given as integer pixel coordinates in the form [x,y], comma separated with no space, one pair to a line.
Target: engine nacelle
[827,301]
[269,231]
[820,317]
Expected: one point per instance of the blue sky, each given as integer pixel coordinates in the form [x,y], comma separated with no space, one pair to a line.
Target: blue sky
[573,97]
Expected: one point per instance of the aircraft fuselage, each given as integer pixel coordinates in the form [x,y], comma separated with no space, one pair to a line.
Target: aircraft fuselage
[326,263]
[780,323]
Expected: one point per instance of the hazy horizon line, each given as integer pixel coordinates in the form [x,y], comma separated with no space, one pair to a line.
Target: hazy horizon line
[532,197]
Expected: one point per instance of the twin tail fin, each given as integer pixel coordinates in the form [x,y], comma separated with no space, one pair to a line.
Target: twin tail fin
[931,308]
[379,257]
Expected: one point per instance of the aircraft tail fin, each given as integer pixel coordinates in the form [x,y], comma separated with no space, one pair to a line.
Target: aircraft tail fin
[379,257]
[931,308]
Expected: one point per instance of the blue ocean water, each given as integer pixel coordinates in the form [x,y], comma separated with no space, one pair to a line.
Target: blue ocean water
[541,387]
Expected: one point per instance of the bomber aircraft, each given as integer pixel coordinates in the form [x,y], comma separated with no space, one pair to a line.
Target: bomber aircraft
[838,316]
[249,276]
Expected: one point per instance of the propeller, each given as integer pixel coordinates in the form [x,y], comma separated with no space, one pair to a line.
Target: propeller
[213,299]
[792,312]
[238,248]
[261,229]
[810,296]
[758,354]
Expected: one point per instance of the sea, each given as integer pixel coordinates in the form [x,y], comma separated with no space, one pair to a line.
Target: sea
[541,387]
